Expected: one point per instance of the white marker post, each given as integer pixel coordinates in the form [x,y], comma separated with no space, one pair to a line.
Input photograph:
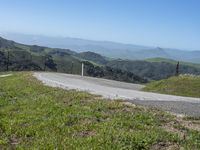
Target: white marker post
[82,69]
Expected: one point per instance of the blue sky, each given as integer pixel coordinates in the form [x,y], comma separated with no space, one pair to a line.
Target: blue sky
[164,23]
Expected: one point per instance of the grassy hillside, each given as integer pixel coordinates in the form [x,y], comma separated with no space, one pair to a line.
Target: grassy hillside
[183,85]
[152,70]
[94,57]
[173,62]
[39,117]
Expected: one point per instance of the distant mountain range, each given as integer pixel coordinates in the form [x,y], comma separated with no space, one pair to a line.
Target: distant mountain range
[106,48]
[20,57]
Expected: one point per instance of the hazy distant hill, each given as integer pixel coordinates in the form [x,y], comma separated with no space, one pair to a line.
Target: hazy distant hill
[105,48]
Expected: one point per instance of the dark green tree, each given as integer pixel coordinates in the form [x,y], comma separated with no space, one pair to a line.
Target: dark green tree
[49,62]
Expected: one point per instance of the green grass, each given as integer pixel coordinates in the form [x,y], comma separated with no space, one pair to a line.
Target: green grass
[158,59]
[183,85]
[3,73]
[34,116]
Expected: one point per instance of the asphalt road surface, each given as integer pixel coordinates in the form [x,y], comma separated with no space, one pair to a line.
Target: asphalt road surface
[120,90]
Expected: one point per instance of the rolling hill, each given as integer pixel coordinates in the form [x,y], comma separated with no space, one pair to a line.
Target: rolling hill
[33,57]
[94,57]
[158,59]
[152,70]
[20,57]
[106,48]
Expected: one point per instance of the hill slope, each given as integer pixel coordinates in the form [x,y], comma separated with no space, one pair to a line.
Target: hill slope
[159,59]
[152,70]
[183,85]
[106,48]
[94,57]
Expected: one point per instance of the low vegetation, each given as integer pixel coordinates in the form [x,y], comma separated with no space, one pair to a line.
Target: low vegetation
[183,85]
[34,116]
[153,70]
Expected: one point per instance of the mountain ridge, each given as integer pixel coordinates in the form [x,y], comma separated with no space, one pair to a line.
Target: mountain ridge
[107,48]
[33,57]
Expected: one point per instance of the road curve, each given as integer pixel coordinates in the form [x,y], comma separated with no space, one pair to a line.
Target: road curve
[120,90]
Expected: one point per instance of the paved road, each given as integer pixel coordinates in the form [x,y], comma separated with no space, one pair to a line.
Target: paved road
[5,75]
[120,90]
